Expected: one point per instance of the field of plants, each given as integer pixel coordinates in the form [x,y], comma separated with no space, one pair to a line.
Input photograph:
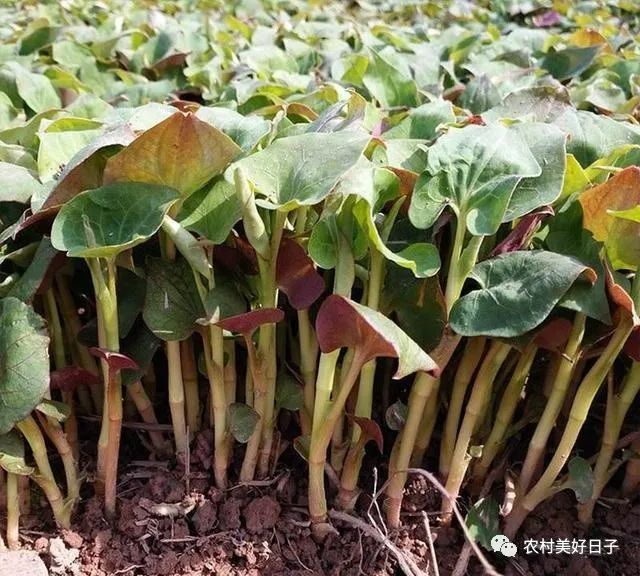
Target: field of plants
[310,287]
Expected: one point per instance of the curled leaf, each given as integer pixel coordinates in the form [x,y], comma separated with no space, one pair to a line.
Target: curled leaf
[249,322]
[115,360]
[70,377]
[370,429]
[296,275]
[343,323]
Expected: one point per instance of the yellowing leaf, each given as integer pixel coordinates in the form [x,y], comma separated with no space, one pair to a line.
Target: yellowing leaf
[181,152]
[621,236]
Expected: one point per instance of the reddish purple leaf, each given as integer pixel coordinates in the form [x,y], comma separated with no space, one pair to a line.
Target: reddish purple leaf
[236,255]
[632,346]
[249,322]
[546,19]
[370,429]
[115,360]
[70,377]
[296,275]
[522,233]
[342,323]
[554,334]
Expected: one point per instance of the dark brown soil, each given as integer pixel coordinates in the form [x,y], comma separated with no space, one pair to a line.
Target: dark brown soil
[170,527]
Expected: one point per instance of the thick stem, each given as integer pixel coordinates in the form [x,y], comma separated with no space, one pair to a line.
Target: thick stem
[580,408]
[617,408]
[565,368]
[350,473]
[504,413]
[308,359]
[423,387]
[464,373]
[427,425]
[58,438]
[267,341]
[44,476]
[108,335]
[321,438]
[496,355]
[190,381]
[145,408]
[13,512]
[214,361]
[631,481]
[176,398]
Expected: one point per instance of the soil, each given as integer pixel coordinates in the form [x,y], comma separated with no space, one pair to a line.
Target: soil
[168,526]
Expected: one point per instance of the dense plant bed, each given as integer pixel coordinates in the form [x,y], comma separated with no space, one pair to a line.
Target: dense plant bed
[275,257]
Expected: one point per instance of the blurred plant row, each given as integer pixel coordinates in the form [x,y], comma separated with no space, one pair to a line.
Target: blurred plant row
[312,226]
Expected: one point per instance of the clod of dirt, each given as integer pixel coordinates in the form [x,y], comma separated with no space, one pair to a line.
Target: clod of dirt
[205,518]
[63,559]
[581,567]
[22,563]
[230,514]
[261,514]
[72,539]
[164,487]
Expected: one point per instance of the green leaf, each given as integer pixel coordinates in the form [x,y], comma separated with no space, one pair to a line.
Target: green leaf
[224,301]
[570,62]
[422,122]
[518,290]
[245,131]
[212,212]
[111,219]
[483,521]
[35,89]
[480,95]
[173,303]
[26,288]
[289,394]
[17,184]
[421,258]
[566,235]
[57,410]
[302,170]
[242,421]
[388,80]
[547,144]
[475,171]
[12,454]
[593,136]
[581,479]
[24,361]
[141,346]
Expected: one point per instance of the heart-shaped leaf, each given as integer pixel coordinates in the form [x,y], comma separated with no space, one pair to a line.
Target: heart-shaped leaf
[212,212]
[343,323]
[296,275]
[108,220]
[581,478]
[24,361]
[475,171]
[518,290]
[289,395]
[387,81]
[35,89]
[370,429]
[140,346]
[242,421]
[70,377]
[245,131]
[422,122]
[570,62]
[246,324]
[12,454]
[302,170]
[548,146]
[17,184]
[173,304]
[180,152]
[223,301]
[609,210]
